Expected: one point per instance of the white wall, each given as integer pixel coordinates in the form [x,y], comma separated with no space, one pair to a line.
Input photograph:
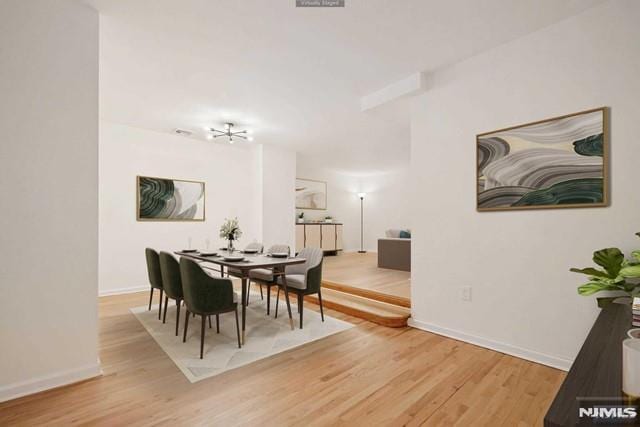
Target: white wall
[231,173]
[524,299]
[278,196]
[49,203]
[386,205]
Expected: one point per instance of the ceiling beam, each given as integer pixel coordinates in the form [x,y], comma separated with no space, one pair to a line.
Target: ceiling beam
[409,86]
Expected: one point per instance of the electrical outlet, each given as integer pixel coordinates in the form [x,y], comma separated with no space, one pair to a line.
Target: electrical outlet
[465,293]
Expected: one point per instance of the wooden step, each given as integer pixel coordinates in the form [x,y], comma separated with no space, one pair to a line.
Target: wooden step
[367,293]
[384,314]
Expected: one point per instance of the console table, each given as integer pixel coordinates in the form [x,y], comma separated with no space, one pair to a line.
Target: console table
[597,371]
[325,235]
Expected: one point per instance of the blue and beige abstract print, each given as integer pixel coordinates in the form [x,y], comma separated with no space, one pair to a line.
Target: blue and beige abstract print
[553,163]
[161,199]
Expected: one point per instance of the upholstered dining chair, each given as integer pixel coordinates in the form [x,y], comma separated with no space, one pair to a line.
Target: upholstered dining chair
[264,276]
[304,279]
[255,246]
[205,295]
[155,276]
[172,283]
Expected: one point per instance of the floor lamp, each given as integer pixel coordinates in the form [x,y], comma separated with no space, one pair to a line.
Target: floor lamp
[361,196]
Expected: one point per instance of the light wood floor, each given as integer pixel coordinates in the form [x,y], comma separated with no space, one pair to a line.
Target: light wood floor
[361,271]
[368,375]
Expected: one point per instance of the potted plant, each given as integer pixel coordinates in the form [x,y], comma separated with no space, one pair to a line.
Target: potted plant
[230,231]
[617,274]
[328,219]
[301,217]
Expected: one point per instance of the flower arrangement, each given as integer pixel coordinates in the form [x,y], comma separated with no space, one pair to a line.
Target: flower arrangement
[230,229]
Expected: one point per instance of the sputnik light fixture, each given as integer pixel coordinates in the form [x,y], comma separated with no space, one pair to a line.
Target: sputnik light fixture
[230,133]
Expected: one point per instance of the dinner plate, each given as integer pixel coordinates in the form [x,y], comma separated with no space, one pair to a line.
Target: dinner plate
[208,253]
[280,255]
[189,251]
[250,251]
[233,258]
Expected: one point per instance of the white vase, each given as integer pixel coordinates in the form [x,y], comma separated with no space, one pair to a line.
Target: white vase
[631,367]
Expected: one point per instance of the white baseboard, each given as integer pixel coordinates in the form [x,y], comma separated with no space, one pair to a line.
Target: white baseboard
[13,391]
[522,353]
[119,291]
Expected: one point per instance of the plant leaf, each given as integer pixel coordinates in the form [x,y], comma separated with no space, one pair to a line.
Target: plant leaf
[589,271]
[610,259]
[630,271]
[593,287]
[636,254]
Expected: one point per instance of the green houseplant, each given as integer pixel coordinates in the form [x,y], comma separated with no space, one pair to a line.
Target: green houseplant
[616,274]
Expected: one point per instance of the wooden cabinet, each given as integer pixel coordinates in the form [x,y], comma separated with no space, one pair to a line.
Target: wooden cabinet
[327,236]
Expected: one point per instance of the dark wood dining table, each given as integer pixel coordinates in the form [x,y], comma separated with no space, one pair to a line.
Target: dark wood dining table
[242,269]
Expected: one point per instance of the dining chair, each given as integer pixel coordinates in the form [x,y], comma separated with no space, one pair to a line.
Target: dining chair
[304,279]
[264,276]
[205,295]
[172,283]
[155,276]
[255,246]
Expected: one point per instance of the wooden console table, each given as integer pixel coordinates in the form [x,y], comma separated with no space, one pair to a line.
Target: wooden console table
[597,371]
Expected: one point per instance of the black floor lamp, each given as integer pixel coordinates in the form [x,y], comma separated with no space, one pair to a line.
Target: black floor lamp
[361,195]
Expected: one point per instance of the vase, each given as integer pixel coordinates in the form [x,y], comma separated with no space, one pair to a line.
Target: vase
[230,246]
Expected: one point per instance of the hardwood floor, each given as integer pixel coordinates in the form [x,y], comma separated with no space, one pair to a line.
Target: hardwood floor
[361,271]
[368,375]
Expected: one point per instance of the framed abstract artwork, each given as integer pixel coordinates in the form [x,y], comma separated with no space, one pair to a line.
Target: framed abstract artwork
[554,163]
[311,194]
[166,199]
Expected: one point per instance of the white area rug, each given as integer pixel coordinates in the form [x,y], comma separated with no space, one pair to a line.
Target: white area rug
[264,336]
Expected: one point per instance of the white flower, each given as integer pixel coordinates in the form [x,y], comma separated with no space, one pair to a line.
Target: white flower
[230,230]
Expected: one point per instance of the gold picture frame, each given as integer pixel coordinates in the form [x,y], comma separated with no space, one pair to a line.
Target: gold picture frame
[183,216]
[311,194]
[584,168]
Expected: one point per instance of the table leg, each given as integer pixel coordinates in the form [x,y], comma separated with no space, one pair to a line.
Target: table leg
[244,304]
[286,297]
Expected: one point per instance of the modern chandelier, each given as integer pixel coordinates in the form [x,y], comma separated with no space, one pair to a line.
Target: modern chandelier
[230,133]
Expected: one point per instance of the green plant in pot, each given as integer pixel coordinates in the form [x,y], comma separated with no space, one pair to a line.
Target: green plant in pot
[617,274]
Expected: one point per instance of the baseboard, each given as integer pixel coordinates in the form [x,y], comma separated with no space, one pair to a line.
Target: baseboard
[522,353]
[13,391]
[120,291]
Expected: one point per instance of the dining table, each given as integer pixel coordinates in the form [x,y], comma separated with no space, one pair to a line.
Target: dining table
[241,269]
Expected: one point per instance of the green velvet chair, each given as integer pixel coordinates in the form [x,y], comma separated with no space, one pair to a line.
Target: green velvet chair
[204,296]
[172,283]
[304,279]
[155,276]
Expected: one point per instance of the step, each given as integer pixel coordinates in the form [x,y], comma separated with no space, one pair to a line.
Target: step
[367,293]
[384,314]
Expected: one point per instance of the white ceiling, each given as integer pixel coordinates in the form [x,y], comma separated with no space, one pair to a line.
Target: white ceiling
[294,75]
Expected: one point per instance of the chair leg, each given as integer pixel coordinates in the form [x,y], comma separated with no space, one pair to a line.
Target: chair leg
[209,317]
[150,298]
[238,328]
[320,299]
[217,323]
[268,299]
[160,304]
[202,336]
[178,304]
[301,304]
[277,301]
[261,294]
[186,325]
[166,303]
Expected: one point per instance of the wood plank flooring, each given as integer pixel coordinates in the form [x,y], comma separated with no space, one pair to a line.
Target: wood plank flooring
[361,271]
[368,375]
